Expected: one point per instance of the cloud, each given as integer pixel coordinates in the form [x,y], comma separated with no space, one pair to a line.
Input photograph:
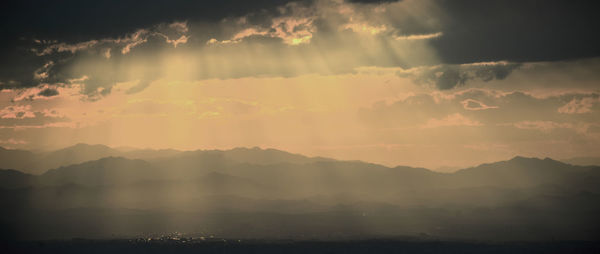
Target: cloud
[48,92]
[19,117]
[470,104]
[112,18]
[64,47]
[143,108]
[133,40]
[579,106]
[182,40]
[436,40]
[485,106]
[371,1]
[173,34]
[58,63]
[41,92]
[419,36]
[12,141]
[211,108]
[292,28]
[446,77]
[547,126]
[516,31]
[365,28]
[107,53]
[17,112]
[455,119]
[140,86]
[128,45]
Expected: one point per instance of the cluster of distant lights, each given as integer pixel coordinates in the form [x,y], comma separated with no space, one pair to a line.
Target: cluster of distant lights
[177,237]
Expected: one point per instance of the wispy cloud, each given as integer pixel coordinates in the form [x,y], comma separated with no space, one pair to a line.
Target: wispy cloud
[579,106]
[455,119]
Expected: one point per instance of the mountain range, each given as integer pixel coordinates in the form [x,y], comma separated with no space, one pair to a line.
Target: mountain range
[97,191]
[39,162]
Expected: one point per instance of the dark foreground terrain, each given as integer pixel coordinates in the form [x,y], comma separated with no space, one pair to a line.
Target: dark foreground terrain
[282,246]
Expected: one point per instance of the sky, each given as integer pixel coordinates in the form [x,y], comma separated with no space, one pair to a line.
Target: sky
[430,83]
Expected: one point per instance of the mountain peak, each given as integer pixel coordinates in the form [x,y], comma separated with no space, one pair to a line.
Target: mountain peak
[86,146]
[522,159]
[520,163]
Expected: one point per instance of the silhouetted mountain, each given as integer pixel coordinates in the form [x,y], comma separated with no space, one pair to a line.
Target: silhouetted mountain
[317,177]
[149,154]
[17,159]
[523,172]
[12,179]
[584,161]
[267,156]
[222,184]
[269,193]
[38,163]
[214,160]
[106,171]
[76,154]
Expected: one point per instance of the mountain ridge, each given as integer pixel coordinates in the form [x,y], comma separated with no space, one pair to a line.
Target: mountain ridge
[516,172]
[254,153]
[520,198]
[38,163]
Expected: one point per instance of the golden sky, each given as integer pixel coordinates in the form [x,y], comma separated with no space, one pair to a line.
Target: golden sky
[390,82]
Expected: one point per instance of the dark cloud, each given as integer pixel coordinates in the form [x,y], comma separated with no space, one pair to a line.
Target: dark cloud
[18,63]
[73,20]
[48,92]
[140,86]
[517,30]
[446,77]
[372,1]
[45,42]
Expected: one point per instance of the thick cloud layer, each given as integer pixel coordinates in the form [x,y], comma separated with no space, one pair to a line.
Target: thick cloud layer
[73,21]
[517,30]
[99,44]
